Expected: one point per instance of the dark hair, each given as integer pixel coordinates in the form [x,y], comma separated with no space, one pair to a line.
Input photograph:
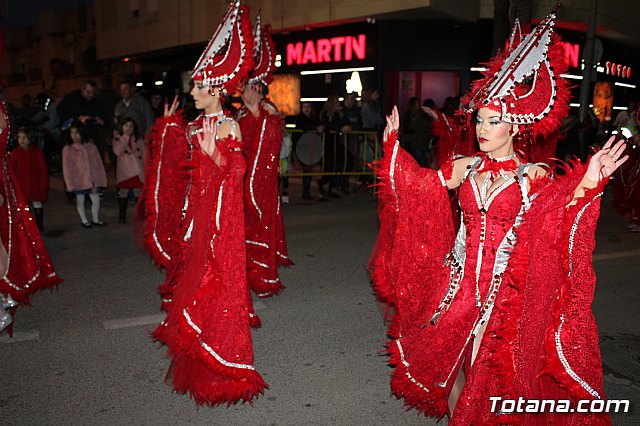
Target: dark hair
[429,103]
[126,120]
[80,128]
[90,83]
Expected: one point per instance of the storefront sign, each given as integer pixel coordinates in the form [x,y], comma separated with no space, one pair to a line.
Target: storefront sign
[327,50]
[571,54]
[619,70]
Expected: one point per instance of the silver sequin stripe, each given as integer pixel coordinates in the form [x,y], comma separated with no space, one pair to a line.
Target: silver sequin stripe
[392,170]
[157,189]
[253,169]
[264,265]
[574,229]
[566,365]
[441,177]
[210,350]
[406,364]
[256,243]
[282,255]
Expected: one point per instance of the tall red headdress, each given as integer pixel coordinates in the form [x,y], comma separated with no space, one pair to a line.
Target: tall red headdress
[522,82]
[228,57]
[264,55]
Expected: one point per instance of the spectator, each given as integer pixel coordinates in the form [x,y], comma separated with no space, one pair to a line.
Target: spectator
[371,112]
[82,106]
[84,173]
[351,111]
[421,130]
[627,118]
[157,104]
[30,170]
[332,123]
[307,121]
[134,106]
[130,149]
[48,123]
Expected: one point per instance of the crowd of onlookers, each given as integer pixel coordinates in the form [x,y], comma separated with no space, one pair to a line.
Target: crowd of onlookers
[90,131]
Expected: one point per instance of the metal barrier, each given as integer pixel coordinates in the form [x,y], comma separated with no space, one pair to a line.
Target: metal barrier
[342,154]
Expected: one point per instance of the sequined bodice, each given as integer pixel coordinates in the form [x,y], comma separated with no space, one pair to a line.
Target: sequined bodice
[486,224]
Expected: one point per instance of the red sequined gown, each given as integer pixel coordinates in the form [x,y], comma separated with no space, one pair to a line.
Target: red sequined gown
[520,263]
[266,243]
[27,266]
[194,228]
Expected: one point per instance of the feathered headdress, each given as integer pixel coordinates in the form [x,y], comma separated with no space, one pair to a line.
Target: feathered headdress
[522,83]
[228,57]
[264,55]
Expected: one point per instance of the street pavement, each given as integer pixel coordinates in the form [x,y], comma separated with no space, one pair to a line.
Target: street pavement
[82,354]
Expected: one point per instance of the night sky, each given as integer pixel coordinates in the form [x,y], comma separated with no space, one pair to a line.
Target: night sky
[25,12]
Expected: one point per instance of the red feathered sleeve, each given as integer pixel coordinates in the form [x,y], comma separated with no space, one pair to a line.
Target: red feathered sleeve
[167,181]
[416,232]
[572,353]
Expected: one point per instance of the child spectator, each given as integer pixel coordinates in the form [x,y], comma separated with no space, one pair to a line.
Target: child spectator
[129,147]
[30,170]
[84,173]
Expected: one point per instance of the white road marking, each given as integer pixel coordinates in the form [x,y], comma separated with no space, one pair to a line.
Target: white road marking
[20,336]
[616,255]
[133,322]
[151,319]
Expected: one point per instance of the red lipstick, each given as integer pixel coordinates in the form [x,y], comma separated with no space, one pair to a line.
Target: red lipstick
[483,140]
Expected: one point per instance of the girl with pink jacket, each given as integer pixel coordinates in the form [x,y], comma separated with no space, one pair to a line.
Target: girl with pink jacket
[130,150]
[84,174]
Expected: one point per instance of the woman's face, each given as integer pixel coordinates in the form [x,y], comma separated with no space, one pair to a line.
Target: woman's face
[23,140]
[75,135]
[205,97]
[494,135]
[306,109]
[128,128]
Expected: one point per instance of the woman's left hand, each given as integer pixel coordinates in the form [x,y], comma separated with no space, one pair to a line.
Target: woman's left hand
[606,161]
[207,138]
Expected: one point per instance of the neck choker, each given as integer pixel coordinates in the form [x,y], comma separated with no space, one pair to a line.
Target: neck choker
[502,159]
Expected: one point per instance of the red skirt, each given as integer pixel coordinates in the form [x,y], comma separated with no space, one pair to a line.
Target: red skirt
[133,182]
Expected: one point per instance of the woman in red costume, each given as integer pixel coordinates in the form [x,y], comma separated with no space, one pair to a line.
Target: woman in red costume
[194,228]
[501,309]
[261,126]
[25,266]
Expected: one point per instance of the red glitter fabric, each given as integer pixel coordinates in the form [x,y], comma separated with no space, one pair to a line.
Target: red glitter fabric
[29,266]
[534,301]
[206,329]
[266,242]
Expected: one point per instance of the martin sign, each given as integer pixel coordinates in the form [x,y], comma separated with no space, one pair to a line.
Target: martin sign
[327,50]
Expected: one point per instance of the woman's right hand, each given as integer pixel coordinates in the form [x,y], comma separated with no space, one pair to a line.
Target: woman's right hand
[171,111]
[393,124]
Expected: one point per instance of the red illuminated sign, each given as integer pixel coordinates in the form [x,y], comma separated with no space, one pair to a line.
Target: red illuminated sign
[619,70]
[323,50]
[571,54]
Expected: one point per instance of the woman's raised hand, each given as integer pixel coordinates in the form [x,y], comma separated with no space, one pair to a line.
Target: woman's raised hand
[207,138]
[393,123]
[170,111]
[604,162]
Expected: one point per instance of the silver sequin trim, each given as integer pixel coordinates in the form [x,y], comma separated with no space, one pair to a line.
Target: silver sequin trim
[441,176]
[253,169]
[406,364]
[392,173]
[210,350]
[566,365]
[256,243]
[574,229]
[157,189]
[264,265]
